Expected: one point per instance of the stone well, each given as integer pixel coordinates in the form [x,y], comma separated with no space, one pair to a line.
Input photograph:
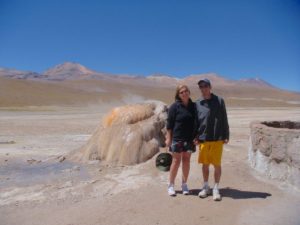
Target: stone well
[275,150]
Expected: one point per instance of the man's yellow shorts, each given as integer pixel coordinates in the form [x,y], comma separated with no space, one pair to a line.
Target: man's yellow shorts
[211,152]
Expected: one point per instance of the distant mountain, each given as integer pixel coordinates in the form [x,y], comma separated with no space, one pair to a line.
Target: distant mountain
[215,79]
[72,83]
[17,74]
[163,79]
[76,71]
[255,81]
[65,71]
[69,70]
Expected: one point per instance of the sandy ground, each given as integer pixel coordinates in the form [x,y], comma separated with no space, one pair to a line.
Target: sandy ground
[35,188]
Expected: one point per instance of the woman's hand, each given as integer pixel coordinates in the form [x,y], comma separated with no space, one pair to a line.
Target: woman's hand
[168,142]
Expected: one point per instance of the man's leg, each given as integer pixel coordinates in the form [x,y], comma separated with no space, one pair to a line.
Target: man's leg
[216,160]
[216,193]
[217,156]
[206,189]
[205,172]
[217,175]
[203,158]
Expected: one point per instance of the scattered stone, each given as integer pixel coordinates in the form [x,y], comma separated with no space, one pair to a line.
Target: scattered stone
[61,158]
[31,161]
[7,142]
[77,168]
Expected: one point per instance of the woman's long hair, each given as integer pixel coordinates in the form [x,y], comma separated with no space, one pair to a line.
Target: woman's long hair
[178,89]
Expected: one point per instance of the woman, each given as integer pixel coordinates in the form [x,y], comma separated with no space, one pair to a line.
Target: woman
[181,127]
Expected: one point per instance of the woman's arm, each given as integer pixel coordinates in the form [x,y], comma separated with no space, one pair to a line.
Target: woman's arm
[170,124]
[169,138]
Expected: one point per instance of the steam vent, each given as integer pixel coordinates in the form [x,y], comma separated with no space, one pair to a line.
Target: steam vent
[275,150]
[128,135]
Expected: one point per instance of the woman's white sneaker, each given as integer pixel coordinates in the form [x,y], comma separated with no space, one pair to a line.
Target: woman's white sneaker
[171,190]
[216,195]
[185,189]
[204,192]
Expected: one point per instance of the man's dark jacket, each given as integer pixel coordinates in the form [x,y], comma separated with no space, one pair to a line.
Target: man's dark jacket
[212,119]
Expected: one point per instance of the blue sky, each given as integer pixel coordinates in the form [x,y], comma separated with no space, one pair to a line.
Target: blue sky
[234,38]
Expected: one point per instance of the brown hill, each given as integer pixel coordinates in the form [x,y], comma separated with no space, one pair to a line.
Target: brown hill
[20,92]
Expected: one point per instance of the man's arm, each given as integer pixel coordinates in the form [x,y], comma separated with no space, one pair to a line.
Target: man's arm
[225,123]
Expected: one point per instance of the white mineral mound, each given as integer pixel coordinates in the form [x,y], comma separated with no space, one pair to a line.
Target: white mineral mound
[128,135]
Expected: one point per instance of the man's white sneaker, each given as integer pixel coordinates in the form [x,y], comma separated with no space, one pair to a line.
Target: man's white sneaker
[185,189]
[171,190]
[216,195]
[204,192]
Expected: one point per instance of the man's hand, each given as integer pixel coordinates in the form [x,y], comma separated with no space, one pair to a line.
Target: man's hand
[226,141]
[196,141]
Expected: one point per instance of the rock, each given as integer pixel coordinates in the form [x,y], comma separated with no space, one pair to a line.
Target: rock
[128,135]
[7,142]
[275,150]
[31,161]
[76,168]
[61,159]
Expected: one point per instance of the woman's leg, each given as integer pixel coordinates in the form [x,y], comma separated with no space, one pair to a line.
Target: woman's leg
[186,157]
[174,166]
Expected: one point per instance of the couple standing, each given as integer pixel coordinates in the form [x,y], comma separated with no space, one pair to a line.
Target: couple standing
[189,124]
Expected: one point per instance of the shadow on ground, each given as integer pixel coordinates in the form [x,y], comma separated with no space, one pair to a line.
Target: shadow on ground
[236,194]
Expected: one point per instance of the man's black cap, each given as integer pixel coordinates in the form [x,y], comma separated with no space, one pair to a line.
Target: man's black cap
[206,81]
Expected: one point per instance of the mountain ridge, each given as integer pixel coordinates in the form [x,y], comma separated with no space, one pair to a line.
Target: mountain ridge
[74,71]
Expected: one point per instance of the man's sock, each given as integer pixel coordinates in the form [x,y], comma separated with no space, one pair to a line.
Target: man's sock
[216,186]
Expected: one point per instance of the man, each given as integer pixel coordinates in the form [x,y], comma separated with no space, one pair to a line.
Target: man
[213,132]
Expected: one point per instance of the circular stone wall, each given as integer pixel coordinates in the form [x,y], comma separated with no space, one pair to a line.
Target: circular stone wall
[275,150]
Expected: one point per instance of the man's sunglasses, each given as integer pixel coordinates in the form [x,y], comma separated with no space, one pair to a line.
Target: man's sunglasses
[203,86]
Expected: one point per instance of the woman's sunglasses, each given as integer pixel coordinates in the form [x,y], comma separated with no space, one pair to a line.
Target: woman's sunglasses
[184,91]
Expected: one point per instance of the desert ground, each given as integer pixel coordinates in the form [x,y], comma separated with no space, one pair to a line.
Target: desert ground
[38,187]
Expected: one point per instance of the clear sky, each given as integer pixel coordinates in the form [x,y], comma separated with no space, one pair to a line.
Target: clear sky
[234,38]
